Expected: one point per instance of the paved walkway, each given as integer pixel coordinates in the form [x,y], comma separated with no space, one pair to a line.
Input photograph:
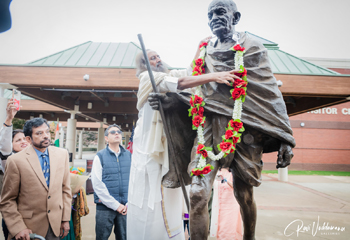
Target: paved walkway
[304,199]
[302,202]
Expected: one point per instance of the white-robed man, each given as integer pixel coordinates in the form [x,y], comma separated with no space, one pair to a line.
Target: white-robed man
[155,212]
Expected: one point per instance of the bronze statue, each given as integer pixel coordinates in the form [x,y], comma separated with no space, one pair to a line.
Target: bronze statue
[264,115]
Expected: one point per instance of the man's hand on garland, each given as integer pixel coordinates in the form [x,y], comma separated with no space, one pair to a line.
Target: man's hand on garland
[205,40]
[167,102]
[285,155]
[225,77]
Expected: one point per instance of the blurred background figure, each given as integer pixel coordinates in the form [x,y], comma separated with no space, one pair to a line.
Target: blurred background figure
[186,215]
[226,221]
[5,15]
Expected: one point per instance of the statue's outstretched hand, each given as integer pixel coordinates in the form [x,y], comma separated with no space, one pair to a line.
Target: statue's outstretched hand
[285,155]
[167,102]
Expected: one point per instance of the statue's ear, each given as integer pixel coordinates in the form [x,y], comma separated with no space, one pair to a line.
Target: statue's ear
[236,18]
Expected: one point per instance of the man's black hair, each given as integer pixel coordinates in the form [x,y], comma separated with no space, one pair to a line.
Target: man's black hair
[110,126]
[33,123]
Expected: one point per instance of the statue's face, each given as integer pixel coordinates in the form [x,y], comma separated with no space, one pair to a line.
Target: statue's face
[221,18]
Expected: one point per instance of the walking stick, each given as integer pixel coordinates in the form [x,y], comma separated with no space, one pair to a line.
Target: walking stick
[171,147]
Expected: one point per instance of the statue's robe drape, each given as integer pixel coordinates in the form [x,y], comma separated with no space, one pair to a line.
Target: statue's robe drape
[264,110]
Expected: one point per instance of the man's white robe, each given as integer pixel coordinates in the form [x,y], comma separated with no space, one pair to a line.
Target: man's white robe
[154,212]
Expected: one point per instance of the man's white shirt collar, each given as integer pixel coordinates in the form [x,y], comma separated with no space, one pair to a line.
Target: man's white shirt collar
[117,154]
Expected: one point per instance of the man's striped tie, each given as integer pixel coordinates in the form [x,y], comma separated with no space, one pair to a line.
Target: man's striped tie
[46,169]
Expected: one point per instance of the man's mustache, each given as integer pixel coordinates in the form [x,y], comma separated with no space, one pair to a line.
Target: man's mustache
[159,68]
[41,142]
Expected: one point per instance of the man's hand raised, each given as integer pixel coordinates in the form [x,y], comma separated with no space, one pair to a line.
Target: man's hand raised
[23,235]
[205,40]
[10,111]
[285,155]
[225,77]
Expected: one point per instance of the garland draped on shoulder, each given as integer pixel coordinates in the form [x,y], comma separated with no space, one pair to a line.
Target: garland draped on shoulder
[264,108]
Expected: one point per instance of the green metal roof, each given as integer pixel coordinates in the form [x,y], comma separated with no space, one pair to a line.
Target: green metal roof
[285,63]
[262,40]
[122,55]
[93,54]
[8,95]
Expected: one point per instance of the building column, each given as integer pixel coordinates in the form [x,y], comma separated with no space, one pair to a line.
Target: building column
[80,149]
[62,137]
[101,138]
[283,174]
[127,138]
[71,135]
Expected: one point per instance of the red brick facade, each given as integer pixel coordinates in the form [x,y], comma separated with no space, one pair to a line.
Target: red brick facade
[341,70]
[323,140]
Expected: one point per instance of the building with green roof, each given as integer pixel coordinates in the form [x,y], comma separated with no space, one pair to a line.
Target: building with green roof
[58,79]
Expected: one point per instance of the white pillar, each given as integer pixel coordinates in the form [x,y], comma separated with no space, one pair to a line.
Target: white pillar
[3,104]
[283,174]
[71,132]
[101,138]
[62,137]
[80,152]
[70,139]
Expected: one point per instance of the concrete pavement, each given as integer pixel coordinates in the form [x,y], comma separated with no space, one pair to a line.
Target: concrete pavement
[304,199]
[303,203]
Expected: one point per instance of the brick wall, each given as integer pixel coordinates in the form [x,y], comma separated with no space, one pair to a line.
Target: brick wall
[322,138]
[341,70]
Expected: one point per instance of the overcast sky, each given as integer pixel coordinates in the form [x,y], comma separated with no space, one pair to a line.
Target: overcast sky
[304,28]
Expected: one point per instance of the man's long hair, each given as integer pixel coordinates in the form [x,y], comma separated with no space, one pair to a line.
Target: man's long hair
[141,64]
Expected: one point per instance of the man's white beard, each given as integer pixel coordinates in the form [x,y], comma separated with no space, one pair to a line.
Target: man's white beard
[160,68]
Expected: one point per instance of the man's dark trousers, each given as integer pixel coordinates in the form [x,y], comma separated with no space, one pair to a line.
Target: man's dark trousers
[115,175]
[105,219]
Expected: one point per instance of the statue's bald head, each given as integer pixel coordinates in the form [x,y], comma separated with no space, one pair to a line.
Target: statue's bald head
[231,4]
[223,16]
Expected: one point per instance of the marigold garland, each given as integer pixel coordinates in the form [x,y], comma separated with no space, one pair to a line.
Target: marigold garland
[234,127]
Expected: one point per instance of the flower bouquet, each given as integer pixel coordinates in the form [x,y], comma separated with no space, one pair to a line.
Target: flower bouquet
[78,177]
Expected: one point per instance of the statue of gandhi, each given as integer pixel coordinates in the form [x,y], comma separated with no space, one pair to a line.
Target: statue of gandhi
[264,114]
